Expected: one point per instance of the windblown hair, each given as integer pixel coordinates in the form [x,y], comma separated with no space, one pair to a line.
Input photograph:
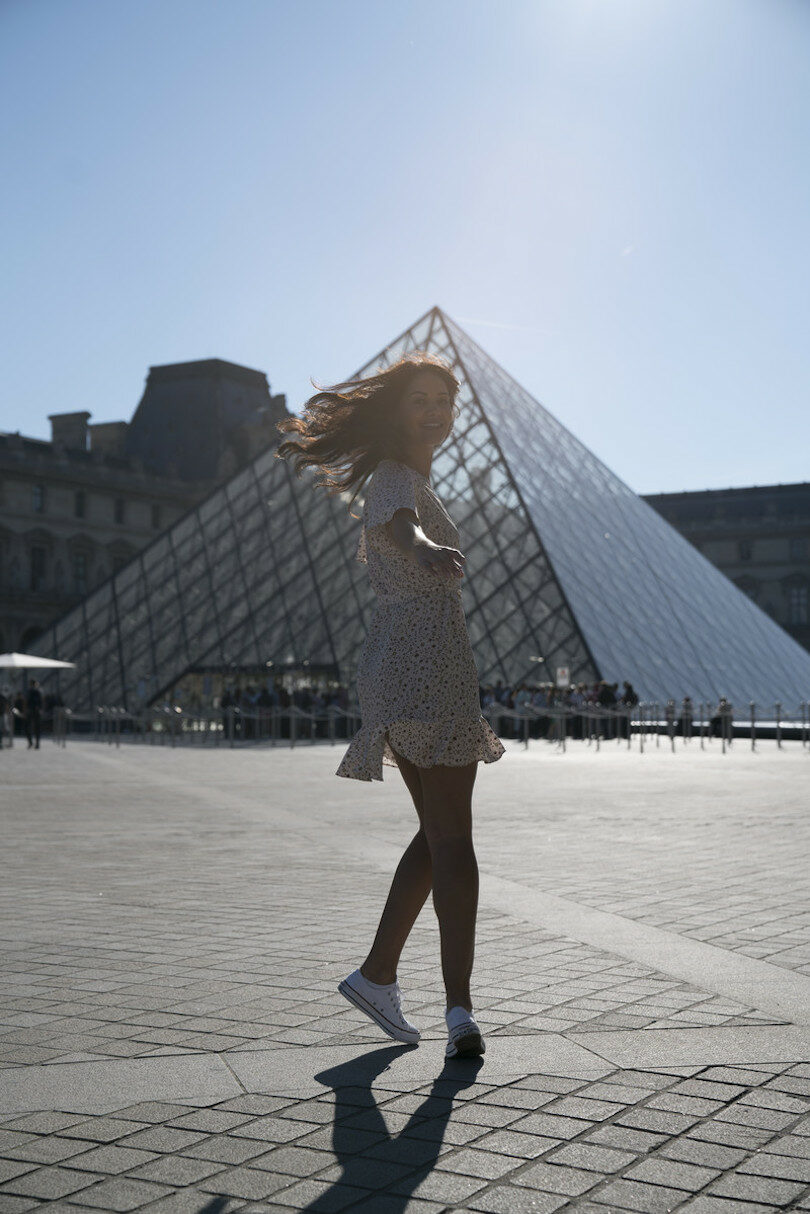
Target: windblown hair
[347,429]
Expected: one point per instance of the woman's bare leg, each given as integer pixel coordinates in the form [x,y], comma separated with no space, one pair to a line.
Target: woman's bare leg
[409,890]
[447,823]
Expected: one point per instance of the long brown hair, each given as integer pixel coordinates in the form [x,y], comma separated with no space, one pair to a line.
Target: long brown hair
[347,429]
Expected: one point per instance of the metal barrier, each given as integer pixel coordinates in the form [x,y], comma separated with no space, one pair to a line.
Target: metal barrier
[646,723]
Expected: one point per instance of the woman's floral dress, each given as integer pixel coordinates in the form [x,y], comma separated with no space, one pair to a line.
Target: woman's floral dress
[417,682]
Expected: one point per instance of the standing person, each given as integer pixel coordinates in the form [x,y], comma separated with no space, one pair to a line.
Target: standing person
[417,681]
[628,700]
[33,714]
[686,717]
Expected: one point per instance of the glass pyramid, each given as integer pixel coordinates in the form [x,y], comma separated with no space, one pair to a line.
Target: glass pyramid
[566,566]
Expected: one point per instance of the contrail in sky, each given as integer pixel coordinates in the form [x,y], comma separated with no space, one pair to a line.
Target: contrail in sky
[497,324]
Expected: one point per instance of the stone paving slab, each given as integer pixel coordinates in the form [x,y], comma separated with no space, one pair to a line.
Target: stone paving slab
[691,1047]
[96,1086]
[171,1038]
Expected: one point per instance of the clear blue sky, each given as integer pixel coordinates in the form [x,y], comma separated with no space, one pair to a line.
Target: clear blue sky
[611,196]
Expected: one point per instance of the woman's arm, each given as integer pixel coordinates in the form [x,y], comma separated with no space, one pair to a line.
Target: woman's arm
[408,536]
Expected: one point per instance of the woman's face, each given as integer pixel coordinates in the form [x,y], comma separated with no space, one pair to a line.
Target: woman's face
[426,410]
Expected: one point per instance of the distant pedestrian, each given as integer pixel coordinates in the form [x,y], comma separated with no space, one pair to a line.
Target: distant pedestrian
[33,714]
[686,717]
[6,718]
[606,699]
[721,723]
[628,701]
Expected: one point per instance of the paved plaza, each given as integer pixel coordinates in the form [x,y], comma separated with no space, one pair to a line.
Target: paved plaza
[176,922]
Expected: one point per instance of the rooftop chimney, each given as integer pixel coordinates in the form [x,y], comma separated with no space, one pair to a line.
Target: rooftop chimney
[70,429]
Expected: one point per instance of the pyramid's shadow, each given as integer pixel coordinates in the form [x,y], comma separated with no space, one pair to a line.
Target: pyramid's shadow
[416,1146]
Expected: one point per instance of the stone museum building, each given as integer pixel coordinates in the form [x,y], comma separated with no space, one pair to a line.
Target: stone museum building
[759,537]
[75,510]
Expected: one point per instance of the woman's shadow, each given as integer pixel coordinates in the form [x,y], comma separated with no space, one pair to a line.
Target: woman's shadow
[407,1156]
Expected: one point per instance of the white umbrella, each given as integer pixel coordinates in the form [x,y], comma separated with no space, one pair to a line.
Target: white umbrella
[29,661]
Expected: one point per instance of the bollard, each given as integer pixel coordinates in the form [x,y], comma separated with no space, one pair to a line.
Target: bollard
[753,726]
[779,726]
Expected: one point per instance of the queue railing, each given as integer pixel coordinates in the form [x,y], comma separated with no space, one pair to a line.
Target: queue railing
[646,724]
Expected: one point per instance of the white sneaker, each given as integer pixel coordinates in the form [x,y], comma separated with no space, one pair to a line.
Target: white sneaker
[464,1035]
[382,1004]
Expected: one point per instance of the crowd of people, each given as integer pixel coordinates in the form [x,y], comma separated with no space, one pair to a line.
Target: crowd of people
[246,712]
[599,708]
[23,713]
[588,708]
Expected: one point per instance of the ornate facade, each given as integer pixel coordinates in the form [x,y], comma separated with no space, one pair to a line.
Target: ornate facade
[759,537]
[75,510]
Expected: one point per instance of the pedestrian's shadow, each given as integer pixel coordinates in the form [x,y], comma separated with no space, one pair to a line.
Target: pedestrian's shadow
[357,1116]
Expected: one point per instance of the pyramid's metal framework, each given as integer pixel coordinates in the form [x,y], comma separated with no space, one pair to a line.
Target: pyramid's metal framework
[566,566]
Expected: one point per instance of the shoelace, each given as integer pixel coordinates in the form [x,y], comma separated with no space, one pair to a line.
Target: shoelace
[395,995]
[463,1029]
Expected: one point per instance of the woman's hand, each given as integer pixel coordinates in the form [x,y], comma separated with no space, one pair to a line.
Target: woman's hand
[439,559]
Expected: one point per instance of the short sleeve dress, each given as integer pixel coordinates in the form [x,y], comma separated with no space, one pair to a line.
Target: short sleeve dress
[417,682]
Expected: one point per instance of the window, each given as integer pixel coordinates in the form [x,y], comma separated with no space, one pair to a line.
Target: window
[744,548]
[37,568]
[119,510]
[797,605]
[79,503]
[80,572]
[156,515]
[798,547]
[38,499]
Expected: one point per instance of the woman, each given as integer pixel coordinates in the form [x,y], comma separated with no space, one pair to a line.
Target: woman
[417,682]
